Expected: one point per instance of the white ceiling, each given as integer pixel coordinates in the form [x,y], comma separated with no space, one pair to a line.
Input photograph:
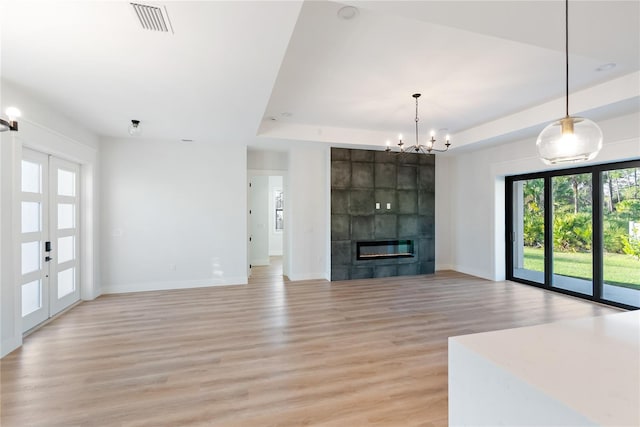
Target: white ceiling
[294,70]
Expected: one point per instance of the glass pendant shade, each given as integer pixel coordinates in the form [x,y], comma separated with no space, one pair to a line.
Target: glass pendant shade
[569,140]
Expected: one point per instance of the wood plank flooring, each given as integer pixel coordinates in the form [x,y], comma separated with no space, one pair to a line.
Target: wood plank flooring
[272,353]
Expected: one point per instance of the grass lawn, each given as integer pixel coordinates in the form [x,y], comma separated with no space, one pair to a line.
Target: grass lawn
[620,270]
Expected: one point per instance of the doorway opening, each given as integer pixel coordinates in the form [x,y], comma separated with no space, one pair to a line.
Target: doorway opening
[267,215]
[266,227]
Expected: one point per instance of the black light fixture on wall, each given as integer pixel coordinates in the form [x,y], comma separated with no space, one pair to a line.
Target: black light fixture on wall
[570,139]
[134,128]
[10,124]
[426,148]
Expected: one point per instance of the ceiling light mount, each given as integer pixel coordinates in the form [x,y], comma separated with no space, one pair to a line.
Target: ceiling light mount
[426,148]
[134,128]
[11,123]
[570,139]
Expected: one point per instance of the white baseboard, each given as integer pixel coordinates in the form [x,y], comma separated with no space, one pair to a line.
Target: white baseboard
[259,262]
[310,276]
[276,253]
[165,286]
[9,344]
[441,267]
[473,272]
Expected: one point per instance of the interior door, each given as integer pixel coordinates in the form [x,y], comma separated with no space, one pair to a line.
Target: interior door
[34,235]
[49,236]
[63,233]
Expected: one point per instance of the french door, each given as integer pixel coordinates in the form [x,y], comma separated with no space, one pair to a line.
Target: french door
[49,236]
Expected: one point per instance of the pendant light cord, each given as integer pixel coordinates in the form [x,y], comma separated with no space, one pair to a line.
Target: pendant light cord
[417,121]
[566,54]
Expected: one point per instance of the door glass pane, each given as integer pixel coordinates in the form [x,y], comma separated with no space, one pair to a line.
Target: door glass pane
[31,217]
[621,235]
[66,216]
[66,249]
[528,230]
[572,233]
[66,183]
[31,177]
[66,282]
[30,257]
[31,297]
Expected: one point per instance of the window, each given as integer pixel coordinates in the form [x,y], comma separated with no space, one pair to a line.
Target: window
[279,207]
[577,231]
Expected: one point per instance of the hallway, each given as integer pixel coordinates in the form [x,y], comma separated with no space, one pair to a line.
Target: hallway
[268,274]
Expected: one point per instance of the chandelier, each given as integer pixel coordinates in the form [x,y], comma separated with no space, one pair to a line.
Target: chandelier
[427,147]
[570,139]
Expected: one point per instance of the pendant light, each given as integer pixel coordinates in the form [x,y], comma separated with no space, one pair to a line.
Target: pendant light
[570,139]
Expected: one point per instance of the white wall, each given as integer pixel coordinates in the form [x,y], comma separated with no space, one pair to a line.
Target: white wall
[475,201]
[259,220]
[174,214]
[443,213]
[44,129]
[307,206]
[267,160]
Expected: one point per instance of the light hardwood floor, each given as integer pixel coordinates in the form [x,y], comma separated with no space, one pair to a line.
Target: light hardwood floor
[272,353]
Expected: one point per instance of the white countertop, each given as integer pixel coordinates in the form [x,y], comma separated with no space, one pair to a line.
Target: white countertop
[591,365]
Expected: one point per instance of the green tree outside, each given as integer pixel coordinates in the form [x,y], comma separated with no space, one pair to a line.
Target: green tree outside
[572,225]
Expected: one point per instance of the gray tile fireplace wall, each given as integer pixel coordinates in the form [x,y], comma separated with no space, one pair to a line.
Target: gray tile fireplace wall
[404,187]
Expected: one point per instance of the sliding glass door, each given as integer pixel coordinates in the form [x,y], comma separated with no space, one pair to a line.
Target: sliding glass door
[621,235]
[528,230]
[572,233]
[577,231]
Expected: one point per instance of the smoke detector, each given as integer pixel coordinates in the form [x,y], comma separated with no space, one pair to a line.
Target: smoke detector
[348,13]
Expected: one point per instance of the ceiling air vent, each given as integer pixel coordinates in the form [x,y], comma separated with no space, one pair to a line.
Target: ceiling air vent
[153,18]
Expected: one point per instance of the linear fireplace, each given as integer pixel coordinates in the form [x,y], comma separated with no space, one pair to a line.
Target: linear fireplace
[382,249]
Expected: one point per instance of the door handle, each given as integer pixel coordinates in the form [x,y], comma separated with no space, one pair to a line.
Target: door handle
[47,258]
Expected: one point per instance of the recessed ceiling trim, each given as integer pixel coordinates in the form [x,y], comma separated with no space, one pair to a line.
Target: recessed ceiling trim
[153,18]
